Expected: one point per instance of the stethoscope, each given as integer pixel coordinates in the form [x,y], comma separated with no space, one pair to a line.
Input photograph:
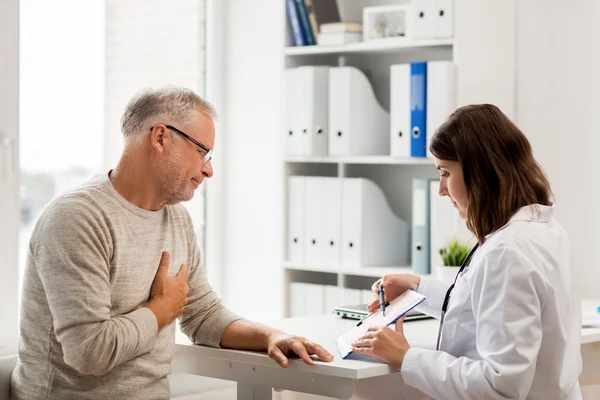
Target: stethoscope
[447,298]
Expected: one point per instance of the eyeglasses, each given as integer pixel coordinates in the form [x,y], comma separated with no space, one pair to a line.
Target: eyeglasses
[207,152]
[464,265]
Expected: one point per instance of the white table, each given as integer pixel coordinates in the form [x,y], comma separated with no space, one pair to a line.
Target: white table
[256,374]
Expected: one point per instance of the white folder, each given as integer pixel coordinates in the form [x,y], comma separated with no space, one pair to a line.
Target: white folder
[333,298]
[441,95]
[422,19]
[372,234]
[315,299]
[295,214]
[444,218]
[351,297]
[358,125]
[307,114]
[297,299]
[367,296]
[322,221]
[444,18]
[400,110]
[293,140]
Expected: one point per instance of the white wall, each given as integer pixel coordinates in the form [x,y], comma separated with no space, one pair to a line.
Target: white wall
[540,64]
[253,182]
[9,173]
[557,106]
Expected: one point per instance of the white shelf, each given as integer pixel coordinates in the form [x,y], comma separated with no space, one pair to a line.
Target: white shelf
[385,160]
[374,271]
[373,46]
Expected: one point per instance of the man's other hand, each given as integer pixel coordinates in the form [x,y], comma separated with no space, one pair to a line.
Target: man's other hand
[281,345]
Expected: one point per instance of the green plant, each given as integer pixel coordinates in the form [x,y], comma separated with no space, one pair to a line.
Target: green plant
[455,252]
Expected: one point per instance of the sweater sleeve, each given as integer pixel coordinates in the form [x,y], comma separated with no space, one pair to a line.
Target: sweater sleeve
[71,252]
[204,317]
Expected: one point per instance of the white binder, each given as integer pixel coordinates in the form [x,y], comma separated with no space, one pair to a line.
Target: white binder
[293,140]
[333,298]
[400,110]
[358,125]
[372,235]
[367,296]
[422,19]
[315,299]
[443,223]
[322,221]
[351,297]
[421,246]
[441,95]
[296,219]
[297,299]
[444,18]
[307,119]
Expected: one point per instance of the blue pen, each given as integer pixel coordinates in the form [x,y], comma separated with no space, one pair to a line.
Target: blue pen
[381,298]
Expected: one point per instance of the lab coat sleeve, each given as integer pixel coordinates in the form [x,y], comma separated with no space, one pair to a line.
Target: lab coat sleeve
[435,291]
[505,298]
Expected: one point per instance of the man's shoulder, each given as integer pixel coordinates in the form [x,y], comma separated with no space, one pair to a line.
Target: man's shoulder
[81,201]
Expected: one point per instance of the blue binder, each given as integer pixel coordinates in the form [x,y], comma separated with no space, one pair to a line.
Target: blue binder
[418,109]
[420,240]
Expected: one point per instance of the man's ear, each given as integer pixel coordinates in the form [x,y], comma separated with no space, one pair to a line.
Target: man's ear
[158,134]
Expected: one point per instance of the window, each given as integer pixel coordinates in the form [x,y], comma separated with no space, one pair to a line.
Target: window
[150,44]
[80,64]
[61,104]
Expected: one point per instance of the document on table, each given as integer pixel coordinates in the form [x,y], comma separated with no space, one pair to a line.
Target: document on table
[396,309]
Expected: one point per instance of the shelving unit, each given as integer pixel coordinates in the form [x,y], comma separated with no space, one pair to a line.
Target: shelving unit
[366,160]
[372,271]
[375,46]
[393,175]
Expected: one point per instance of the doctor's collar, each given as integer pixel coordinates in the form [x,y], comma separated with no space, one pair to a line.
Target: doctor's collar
[529,213]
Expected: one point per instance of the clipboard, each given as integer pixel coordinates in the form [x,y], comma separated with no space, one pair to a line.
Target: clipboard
[395,310]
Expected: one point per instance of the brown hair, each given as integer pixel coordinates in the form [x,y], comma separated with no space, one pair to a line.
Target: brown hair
[501,175]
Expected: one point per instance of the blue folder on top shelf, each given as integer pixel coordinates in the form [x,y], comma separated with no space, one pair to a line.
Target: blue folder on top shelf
[418,109]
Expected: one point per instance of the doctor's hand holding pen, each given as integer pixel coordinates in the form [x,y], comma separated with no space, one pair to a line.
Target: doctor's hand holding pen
[381,342]
[394,285]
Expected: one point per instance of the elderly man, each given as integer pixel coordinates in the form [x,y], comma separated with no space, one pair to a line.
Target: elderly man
[114,262]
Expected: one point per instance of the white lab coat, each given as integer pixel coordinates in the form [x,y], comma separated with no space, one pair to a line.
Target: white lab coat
[513,325]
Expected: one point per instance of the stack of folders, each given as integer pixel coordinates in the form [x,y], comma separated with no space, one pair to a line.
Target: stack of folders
[337,33]
[434,222]
[314,299]
[334,222]
[334,111]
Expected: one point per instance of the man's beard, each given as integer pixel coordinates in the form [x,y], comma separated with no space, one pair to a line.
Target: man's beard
[173,182]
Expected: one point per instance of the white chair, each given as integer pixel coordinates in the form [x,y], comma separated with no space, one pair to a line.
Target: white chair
[7,364]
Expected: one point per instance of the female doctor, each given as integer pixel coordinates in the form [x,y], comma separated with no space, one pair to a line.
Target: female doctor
[511,327]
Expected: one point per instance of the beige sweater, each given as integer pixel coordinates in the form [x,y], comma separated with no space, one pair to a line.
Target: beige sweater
[84,331]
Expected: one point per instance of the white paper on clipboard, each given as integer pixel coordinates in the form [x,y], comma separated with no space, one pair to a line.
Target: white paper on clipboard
[396,309]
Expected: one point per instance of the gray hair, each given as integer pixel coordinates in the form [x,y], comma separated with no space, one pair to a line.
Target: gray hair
[168,105]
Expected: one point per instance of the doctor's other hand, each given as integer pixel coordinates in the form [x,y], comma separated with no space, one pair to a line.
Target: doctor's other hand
[394,285]
[281,344]
[385,344]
